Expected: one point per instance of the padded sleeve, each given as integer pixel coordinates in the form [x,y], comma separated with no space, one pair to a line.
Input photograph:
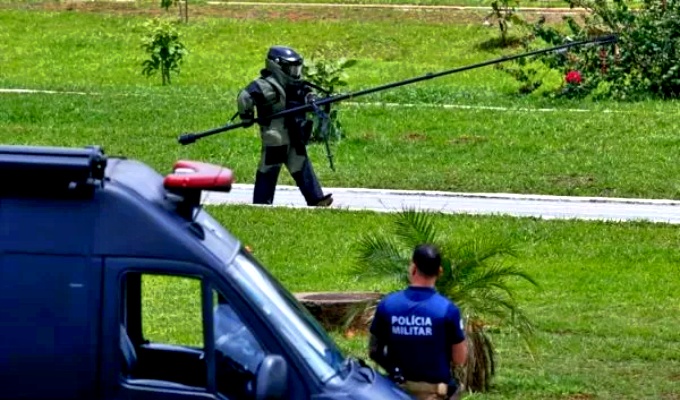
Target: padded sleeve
[249,98]
[246,106]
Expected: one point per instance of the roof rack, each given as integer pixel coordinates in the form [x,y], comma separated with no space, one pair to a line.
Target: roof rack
[45,170]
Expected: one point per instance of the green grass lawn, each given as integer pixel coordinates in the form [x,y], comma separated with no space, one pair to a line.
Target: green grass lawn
[607,311]
[465,3]
[608,308]
[473,3]
[628,153]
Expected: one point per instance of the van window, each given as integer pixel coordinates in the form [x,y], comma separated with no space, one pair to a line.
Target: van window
[171,310]
[238,352]
[163,335]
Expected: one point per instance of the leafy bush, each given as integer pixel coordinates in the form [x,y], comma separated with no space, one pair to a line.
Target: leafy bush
[644,62]
[329,74]
[166,51]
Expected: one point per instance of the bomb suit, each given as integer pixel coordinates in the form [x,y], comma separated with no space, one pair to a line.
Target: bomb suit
[283,139]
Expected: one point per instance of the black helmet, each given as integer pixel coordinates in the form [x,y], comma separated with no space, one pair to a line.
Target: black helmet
[282,59]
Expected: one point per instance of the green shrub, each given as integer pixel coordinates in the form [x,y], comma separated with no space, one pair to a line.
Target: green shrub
[645,62]
[166,51]
[328,73]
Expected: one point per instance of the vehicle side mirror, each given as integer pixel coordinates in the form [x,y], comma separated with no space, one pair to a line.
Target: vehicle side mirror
[272,378]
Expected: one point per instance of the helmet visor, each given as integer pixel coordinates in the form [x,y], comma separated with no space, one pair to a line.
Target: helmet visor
[292,69]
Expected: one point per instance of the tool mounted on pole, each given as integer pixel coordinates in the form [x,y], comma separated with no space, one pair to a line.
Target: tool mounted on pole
[317,105]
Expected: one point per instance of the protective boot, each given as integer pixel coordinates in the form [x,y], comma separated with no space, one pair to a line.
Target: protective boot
[309,186]
[265,186]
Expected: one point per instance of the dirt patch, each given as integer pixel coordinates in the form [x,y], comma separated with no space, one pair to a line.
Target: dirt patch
[415,137]
[285,12]
[353,333]
[297,16]
[495,43]
[366,137]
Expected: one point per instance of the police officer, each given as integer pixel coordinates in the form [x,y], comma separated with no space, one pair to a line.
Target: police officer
[283,139]
[417,334]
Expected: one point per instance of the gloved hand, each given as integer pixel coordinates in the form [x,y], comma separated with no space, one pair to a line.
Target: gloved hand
[310,98]
[248,119]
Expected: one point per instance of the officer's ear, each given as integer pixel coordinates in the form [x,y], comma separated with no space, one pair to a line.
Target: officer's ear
[440,272]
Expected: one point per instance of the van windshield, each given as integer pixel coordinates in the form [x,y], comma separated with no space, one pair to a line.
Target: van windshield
[289,317]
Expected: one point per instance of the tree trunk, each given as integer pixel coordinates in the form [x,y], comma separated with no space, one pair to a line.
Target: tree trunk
[341,310]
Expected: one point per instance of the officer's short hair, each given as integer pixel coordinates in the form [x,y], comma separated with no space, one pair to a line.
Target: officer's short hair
[427,259]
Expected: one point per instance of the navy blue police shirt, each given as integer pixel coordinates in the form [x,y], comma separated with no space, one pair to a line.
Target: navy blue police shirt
[419,326]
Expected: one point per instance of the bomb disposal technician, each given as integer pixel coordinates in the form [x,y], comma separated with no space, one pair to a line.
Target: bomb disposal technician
[280,87]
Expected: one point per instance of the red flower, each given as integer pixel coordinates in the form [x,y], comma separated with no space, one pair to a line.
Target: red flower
[573,77]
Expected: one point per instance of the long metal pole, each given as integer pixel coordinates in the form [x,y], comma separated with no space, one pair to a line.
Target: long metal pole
[192,137]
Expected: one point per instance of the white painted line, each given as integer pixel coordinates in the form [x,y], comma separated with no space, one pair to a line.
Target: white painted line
[382,104]
[37,91]
[470,107]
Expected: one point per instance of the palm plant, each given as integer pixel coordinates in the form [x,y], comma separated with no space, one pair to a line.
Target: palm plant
[475,278]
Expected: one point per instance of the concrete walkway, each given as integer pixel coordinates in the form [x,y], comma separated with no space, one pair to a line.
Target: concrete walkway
[547,207]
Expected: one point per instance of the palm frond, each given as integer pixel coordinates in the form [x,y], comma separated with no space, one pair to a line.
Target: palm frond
[474,254]
[494,276]
[380,255]
[522,324]
[525,330]
[446,280]
[481,249]
[414,227]
[503,314]
[496,309]
[487,304]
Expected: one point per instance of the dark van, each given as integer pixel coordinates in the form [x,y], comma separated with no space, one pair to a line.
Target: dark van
[116,284]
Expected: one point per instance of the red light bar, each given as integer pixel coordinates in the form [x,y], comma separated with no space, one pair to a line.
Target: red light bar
[199,176]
